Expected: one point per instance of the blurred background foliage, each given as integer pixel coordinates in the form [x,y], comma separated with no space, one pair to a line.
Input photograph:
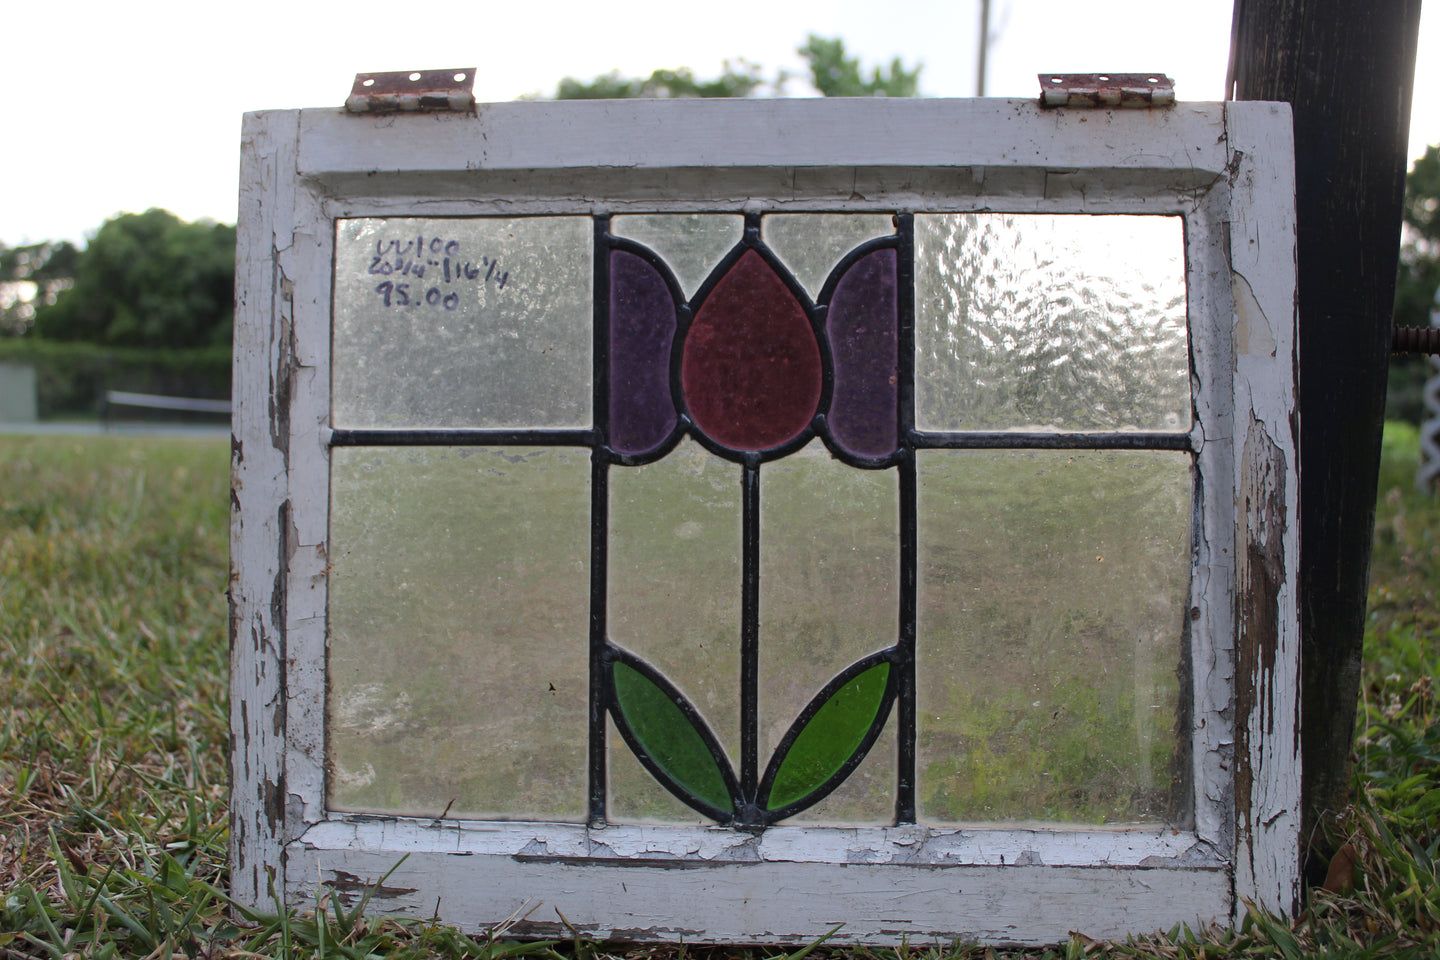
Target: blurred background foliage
[1415,288]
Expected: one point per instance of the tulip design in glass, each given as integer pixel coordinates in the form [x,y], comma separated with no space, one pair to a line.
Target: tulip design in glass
[753,369]
[728,483]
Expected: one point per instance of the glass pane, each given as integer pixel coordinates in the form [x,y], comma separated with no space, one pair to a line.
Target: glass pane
[1053,591]
[863,326]
[751,368]
[674,578]
[1050,322]
[830,737]
[867,797]
[642,330]
[459,631]
[811,244]
[689,243]
[829,595]
[463,323]
[667,734]
[637,797]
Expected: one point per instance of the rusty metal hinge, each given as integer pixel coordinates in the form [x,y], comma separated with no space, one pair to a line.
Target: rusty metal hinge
[1139,91]
[411,90]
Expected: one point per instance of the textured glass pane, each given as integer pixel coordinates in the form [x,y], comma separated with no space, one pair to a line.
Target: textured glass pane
[751,366]
[829,594]
[690,243]
[459,611]
[1053,591]
[811,244]
[674,577]
[482,322]
[863,326]
[1050,322]
[642,330]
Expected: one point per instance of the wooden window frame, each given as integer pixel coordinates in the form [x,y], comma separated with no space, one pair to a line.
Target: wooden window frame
[1227,169]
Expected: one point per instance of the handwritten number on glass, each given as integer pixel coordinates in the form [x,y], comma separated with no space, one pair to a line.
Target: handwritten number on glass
[442,258]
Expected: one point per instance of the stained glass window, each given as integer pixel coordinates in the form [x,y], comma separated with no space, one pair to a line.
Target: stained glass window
[744,518]
[695,516]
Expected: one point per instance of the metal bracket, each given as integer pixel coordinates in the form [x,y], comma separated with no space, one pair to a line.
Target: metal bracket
[411,90]
[1139,91]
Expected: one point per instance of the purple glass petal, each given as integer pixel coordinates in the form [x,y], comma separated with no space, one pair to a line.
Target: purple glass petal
[642,330]
[751,367]
[863,324]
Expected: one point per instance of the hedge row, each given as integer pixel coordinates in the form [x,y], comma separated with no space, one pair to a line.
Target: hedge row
[71,378]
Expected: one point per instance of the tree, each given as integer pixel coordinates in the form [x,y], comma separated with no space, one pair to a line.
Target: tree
[836,75]
[1419,278]
[734,81]
[148,279]
[833,73]
[1420,249]
[32,277]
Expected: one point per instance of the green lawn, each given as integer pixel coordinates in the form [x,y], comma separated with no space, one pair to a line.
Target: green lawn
[113,729]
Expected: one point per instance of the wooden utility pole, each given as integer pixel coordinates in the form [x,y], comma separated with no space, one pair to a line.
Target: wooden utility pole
[1347,67]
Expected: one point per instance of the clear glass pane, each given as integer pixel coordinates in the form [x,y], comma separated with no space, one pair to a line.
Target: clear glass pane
[1053,592]
[674,578]
[482,323]
[811,244]
[690,243]
[459,631]
[829,595]
[1050,323]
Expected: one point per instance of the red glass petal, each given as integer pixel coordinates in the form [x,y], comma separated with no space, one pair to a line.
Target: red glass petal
[751,367]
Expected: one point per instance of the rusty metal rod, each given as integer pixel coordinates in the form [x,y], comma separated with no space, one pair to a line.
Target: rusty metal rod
[1415,340]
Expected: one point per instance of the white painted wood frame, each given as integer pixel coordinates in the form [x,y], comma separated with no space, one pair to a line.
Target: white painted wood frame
[1227,169]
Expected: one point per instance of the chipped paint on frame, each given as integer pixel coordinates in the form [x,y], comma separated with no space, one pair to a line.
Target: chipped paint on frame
[1267,709]
[1224,168]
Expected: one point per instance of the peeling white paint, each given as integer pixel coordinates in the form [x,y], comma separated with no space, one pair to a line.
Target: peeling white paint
[1253,336]
[1225,168]
[1262,244]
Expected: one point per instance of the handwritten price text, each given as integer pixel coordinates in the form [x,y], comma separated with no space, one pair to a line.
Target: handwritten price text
[442,259]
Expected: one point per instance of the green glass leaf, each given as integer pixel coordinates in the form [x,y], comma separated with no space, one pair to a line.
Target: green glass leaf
[670,737]
[836,728]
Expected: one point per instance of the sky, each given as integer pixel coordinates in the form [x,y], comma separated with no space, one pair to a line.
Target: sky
[119,107]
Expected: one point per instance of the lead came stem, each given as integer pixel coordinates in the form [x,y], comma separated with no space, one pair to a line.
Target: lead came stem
[598,799]
[750,641]
[905,727]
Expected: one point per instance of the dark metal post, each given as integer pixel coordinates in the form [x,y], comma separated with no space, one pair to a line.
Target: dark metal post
[1347,67]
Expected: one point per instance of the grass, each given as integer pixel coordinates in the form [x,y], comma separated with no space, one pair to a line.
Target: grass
[113,734]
